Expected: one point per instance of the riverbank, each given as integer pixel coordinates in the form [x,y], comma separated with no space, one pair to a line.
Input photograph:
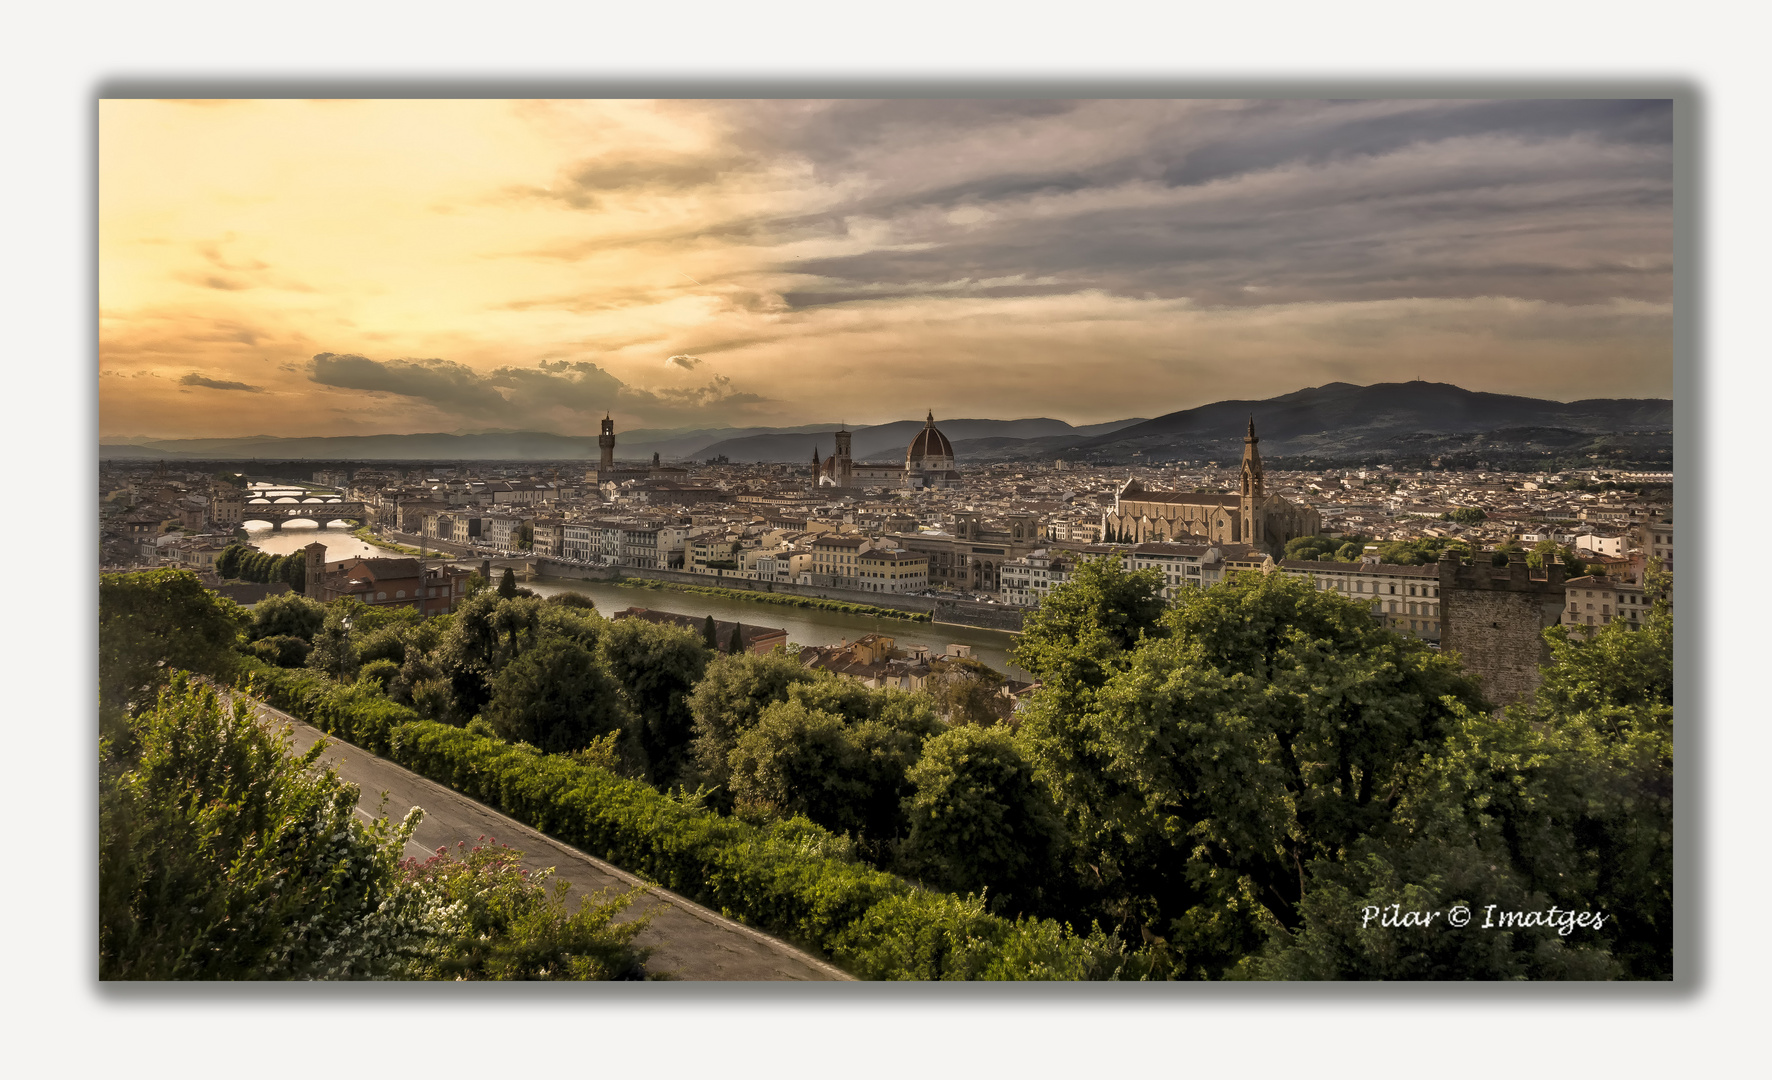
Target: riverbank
[783,599]
[362,533]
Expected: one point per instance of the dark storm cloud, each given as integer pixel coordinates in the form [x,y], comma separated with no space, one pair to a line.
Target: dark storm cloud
[514,395]
[1227,203]
[194,379]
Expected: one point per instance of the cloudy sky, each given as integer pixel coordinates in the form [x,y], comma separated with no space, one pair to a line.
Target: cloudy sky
[359,267]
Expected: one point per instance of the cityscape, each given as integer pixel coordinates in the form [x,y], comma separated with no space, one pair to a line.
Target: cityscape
[1100,540]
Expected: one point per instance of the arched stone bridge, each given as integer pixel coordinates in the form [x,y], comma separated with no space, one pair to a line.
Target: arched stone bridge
[317,510]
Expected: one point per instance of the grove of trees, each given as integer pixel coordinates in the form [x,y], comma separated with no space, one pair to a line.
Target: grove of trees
[1225,784]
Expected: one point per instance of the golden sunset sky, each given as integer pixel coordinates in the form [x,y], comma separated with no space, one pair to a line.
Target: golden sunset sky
[358,267]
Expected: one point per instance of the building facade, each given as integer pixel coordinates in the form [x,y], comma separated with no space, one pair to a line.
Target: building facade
[1250,516]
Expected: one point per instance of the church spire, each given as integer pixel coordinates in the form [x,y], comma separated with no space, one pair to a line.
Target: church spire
[1252,478]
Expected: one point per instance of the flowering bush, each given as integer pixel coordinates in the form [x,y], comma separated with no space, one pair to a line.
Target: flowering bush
[498,921]
[222,855]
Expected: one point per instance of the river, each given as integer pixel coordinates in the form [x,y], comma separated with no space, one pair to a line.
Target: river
[805,626]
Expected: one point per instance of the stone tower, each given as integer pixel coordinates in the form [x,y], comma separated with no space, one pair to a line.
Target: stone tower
[314,567]
[1250,493]
[845,467]
[1494,618]
[606,441]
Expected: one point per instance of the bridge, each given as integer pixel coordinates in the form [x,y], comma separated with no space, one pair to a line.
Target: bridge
[312,508]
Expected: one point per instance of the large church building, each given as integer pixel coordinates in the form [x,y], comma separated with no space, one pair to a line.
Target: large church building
[928,463]
[1251,516]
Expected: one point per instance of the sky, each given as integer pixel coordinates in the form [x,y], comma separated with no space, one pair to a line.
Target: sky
[302,268]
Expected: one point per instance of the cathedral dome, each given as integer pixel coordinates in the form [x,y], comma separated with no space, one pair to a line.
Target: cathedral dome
[930,447]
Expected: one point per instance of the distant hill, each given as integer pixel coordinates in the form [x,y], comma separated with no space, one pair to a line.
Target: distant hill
[1335,421]
[887,442]
[1344,420]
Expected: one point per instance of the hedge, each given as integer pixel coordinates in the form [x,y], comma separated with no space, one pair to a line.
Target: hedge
[780,878]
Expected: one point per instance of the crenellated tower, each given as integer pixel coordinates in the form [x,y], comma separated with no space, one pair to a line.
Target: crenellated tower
[606,442]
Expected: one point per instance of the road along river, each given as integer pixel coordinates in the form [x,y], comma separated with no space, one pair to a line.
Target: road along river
[805,626]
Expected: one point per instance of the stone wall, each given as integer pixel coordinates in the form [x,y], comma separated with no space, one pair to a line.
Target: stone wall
[984,616]
[1494,618]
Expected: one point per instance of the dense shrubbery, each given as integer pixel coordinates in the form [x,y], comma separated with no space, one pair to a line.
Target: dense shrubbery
[222,855]
[791,877]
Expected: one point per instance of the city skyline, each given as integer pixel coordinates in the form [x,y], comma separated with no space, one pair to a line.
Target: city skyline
[365,267]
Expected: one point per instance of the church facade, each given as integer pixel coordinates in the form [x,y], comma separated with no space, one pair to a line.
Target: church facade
[928,463]
[1250,516]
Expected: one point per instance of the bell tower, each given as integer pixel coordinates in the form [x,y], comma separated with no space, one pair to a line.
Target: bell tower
[841,453]
[1250,495]
[606,442]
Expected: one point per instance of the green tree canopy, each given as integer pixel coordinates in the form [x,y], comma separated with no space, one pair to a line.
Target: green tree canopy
[223,856]
[1084,626]
[1267,728]
[845,775]
[556,697]
[729,700]
[979,820]
[157,620]
[287,614]
[659,667]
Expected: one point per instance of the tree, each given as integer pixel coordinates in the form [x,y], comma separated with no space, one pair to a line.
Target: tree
[1084,625]
[979,820]
[154,621]
[1563,802]
[294,571]
[474,584]
[965,691]
[507,585]
[334,654]
[735,644]
[1547,550]
[729,700]
[556,697]
[658,667]
[223,856]
[283,651]
[227,564]
[848,777]
[573,600]
[1268,728]
[288,614]
[707,635]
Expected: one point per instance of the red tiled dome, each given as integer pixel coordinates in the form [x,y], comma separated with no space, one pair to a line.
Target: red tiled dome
[929,443]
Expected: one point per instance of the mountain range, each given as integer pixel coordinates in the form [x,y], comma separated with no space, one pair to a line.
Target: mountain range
[1334,421]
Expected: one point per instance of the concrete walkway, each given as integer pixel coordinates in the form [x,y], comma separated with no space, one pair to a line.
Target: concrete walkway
[689,941]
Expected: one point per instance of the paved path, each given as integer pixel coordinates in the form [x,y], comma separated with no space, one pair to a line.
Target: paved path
[689,941]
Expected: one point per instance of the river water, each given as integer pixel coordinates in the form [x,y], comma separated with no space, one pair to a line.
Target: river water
[805,626]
